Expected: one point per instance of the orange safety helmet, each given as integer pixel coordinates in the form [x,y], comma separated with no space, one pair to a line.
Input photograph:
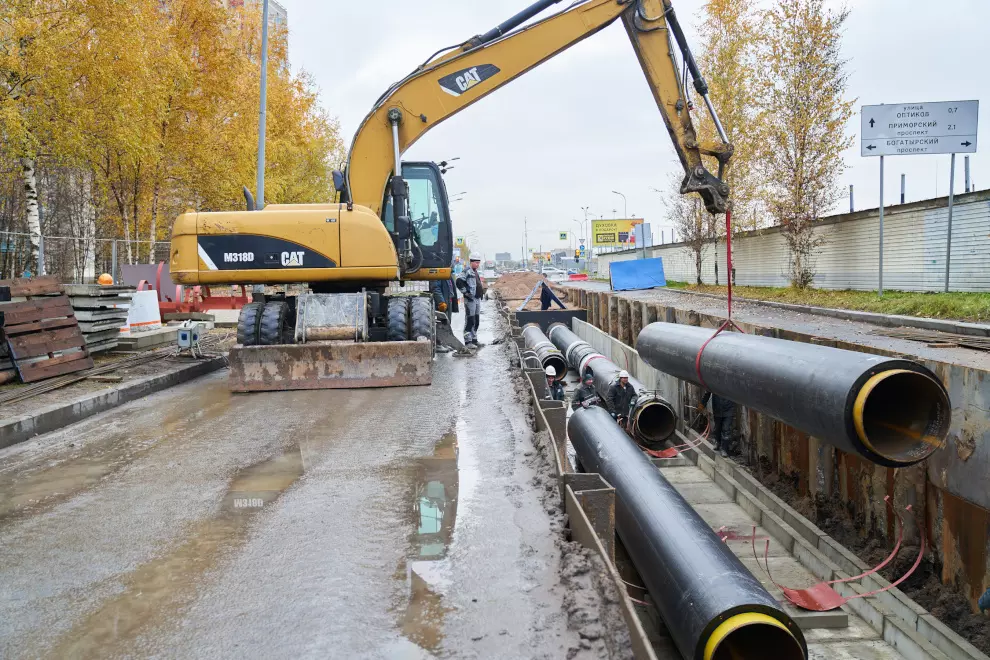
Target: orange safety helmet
[105,280]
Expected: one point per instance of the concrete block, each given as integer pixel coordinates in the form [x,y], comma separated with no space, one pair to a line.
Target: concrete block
[702,493]
[864,608]
[749,504]
[857,629]
[895,600]
[779,530]
[706,465]
[844,558]
[817,563]
[771,502]
[945,640]
[746,481]
[726,484]
[685,475]
[974,329]
[803,526]
[817,620]
[908,642]
[677,461]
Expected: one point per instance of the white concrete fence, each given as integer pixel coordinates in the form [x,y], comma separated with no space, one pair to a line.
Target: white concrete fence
[914,250]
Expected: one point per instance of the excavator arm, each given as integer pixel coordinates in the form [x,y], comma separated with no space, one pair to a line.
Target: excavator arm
[458,77]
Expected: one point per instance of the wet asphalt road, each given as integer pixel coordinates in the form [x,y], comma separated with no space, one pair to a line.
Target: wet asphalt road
[387,523]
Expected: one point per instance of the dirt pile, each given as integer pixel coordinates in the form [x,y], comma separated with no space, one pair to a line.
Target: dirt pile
[516,286]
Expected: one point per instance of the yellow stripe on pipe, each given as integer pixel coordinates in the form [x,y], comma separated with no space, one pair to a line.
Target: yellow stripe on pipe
[859,407]
[736,622]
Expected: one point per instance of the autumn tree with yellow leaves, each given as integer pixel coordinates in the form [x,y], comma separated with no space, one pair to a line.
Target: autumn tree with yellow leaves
[801,90]
[134,111]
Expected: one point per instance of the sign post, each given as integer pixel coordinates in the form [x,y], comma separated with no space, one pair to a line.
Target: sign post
[914,129]
[948,232]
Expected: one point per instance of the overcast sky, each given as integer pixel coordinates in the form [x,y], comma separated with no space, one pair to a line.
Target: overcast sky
[584,124]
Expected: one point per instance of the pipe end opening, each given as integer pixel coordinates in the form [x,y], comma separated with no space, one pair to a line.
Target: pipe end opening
[557,362]
[902,415]
[750,636]
[655,422]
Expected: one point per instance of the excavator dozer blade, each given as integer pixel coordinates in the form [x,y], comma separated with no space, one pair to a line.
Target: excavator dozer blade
[330,365]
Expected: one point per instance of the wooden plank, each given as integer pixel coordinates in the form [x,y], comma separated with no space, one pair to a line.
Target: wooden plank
[47,324]
[45,342]
[33,286]
[36,310]
[31,372]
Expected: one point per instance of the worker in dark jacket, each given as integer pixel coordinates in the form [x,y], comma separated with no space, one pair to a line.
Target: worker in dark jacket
[586,395]
[472,287]
[555,388]
[620,398]
[547,296]
[724,421]
[984,601]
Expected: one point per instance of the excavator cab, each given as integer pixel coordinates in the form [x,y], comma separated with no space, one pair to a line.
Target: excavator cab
[429,214]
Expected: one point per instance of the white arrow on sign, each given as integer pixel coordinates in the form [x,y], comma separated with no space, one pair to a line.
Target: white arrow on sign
[909,129]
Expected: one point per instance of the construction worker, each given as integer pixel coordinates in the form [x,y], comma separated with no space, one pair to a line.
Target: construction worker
[547,297]
[723,418]
[555,389]
[472,287]
[586,395]
[620,398]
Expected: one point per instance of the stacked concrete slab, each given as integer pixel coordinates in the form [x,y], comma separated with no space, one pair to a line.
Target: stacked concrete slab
[100,312]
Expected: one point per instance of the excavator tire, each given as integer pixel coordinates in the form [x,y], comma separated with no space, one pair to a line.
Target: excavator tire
[420,318]
[249,324]
[272,329]
[398,315]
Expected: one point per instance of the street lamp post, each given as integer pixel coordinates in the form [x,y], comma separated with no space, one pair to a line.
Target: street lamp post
[260,189]
[625,206]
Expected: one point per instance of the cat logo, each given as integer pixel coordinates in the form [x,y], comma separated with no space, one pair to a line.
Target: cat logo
[292,258]
[461,81]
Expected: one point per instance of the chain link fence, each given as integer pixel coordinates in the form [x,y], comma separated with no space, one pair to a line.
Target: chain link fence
[76,260]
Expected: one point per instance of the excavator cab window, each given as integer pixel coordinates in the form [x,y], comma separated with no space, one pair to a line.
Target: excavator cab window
[428,211]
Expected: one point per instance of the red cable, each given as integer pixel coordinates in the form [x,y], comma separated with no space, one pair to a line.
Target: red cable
[729,323]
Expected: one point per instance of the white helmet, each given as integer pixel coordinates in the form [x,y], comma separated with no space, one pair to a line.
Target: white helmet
[475,256]
[551,371]
[623,374]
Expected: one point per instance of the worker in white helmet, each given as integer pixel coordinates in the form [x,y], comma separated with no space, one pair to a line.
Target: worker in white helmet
[620,398]
[472,287]
[555,388]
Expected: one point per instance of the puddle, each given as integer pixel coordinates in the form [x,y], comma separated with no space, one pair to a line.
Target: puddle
[435,510]
[157,592]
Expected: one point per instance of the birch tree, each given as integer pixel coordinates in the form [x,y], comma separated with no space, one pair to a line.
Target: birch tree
[801,89]
[695,226]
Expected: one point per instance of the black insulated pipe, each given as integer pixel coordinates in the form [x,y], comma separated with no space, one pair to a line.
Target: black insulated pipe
[514,22]
[653,419]
[890,411]
[713,606]
[548,355]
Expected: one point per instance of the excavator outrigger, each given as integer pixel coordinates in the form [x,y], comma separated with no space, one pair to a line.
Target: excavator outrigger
[392,220]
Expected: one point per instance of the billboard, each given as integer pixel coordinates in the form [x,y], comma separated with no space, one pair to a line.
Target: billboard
[503,256]
[613,233]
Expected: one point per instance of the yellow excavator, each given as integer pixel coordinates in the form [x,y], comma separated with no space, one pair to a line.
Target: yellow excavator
[391,222]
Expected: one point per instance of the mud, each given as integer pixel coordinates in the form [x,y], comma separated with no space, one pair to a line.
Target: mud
[515,287]
[924,586]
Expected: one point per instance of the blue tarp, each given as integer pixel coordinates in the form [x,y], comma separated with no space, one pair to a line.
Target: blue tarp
[637,274]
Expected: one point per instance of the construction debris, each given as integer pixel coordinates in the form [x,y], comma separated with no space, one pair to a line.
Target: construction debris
[934,339]
[101,311]
[41,336]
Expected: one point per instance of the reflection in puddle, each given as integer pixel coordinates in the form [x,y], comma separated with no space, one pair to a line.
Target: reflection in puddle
[157,591]
[435,507]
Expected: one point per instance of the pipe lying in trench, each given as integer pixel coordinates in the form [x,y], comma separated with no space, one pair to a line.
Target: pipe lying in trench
[713,606]
[653,418]
[890,411]
[547,353]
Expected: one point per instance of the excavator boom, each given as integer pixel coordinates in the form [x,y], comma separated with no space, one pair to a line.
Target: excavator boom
[451,81]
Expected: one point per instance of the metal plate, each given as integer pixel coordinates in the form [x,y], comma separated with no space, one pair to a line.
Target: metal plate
[332,365]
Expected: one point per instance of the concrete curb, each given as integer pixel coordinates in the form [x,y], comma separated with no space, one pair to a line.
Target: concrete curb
[885,320]
[59,415]
[904,624]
